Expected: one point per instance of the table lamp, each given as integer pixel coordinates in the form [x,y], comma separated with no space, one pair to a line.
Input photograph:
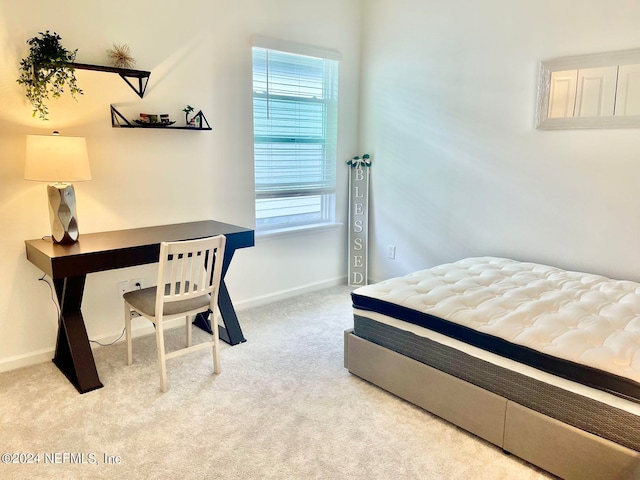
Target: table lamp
[61,160]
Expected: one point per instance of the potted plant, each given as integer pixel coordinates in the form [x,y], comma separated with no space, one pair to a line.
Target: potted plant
[47,71]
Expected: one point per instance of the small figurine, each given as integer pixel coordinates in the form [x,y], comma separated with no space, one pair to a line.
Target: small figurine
[187,110]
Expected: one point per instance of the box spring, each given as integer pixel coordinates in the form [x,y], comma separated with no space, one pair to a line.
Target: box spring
[561,449]
[581,412]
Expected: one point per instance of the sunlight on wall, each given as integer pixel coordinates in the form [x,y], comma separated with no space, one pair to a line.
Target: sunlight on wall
[182,56]
[14,105]
[16,110]
[458,158]
[198,54]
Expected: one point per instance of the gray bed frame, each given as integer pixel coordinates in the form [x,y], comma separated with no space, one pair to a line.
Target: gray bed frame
[561,449]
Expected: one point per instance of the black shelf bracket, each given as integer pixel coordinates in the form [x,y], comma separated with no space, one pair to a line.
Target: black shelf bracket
[116,116]
[142,84]
[201,121]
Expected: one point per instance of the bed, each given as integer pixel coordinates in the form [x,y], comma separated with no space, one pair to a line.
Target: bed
[540,361]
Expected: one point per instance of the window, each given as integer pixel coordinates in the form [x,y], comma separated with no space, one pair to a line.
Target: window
[295,100]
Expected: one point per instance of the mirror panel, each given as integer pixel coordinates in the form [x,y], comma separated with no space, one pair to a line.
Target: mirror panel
[590,91]
[628,101]
[562,93]
[596,92]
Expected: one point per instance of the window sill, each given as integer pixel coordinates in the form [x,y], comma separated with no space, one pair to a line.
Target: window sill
[299,230]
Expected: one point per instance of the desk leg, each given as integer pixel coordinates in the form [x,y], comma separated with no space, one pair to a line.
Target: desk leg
[231,332]
[73,355]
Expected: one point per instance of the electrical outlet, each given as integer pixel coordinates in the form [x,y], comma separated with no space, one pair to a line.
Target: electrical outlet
[123,287]
[391,252]
[136,284]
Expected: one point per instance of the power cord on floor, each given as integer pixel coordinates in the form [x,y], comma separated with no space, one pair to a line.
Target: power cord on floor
[55,303]
[138,287]
[109,344]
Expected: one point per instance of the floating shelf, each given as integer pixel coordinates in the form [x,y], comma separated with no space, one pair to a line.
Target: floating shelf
[125,73]
[142,76]
[120,121]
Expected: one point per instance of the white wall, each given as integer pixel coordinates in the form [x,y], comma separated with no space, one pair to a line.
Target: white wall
[448,104]
[199,54]
[448,96]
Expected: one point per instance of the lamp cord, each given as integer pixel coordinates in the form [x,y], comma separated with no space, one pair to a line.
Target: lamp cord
[55,302]
[53,299]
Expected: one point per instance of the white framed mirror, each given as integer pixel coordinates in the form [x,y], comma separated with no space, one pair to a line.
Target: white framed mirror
[590,91]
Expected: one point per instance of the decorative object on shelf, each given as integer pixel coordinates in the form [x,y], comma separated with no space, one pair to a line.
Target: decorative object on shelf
[198,121]
[147,120]
[47,71]
[120,121]
[187,110]
[120,56]
[358,219]
[154,119]
[58,159]
[152,125]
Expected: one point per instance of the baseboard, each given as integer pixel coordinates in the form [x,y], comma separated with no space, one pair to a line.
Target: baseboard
[26,360]
[288,293]
[45,355]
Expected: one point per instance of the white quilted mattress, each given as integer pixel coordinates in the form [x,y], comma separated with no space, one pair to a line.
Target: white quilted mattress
[584,318]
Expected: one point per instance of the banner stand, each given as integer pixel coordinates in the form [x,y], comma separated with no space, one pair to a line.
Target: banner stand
[359,170]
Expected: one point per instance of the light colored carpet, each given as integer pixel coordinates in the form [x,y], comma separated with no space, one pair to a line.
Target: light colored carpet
[283,407]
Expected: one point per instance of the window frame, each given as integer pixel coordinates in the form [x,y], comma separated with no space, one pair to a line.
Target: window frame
[322,194]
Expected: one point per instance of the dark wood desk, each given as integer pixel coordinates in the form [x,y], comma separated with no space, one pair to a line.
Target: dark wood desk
[69,264]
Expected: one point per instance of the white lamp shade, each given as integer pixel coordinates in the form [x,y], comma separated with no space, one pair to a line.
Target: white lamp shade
[54,158]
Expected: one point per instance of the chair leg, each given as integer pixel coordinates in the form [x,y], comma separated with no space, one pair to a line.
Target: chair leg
[127,327]
[188,325]
[162,362]
[216,342]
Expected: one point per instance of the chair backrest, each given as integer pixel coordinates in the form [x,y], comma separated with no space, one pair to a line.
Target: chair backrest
[190,268]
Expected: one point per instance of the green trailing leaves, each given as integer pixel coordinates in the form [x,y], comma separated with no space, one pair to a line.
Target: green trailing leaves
[46,72]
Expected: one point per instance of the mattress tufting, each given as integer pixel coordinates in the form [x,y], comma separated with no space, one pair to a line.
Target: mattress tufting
[577,318]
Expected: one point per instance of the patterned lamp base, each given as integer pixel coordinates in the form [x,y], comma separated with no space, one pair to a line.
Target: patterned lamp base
[62,213]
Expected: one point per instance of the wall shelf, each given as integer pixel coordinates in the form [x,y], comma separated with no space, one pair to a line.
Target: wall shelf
[137,80]
[142,76]
[120,121]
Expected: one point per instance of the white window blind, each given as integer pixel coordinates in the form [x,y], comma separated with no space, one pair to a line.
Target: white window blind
[295,135]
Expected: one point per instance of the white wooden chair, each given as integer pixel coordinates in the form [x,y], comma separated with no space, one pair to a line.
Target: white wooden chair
[190,272]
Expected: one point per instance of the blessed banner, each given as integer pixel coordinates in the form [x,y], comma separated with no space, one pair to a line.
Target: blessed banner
[359,169]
